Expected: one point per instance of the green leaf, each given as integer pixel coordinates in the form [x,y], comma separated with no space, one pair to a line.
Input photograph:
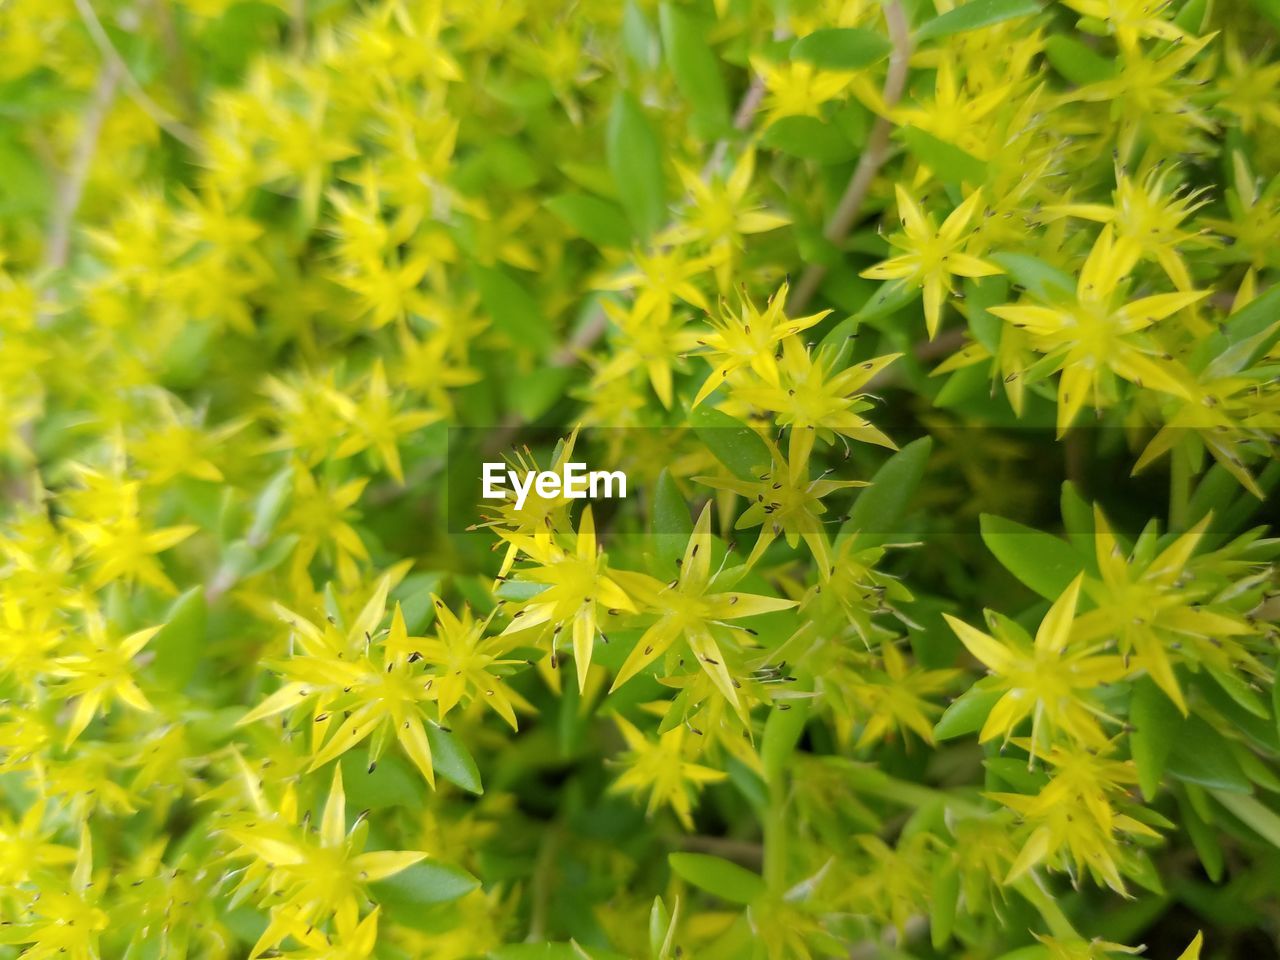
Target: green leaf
[1240,692]
[426,882]
[1046,283]
[270,504]
[1261,819]
[670,512]
[1076,62]
[1155,721]
[1256,319]
[1042,562]
[1203,837]
[980,294]
[809,139]
[671,522]
[1193,16]
[599,221]
[392,783]
[661,929]
[695,69]
[519,589]
[782,731]
[948,162]
[734,444]
[179,644]
[1258,730]
[511,307]
[1077,518]
[276,553]
[1201,756]
[878,511]
[535,392]
[841,48]
[891,297]
[967,713]
[452,760]
[1014,772]
[974,15]
[635,160]
[718,876]
[942,913]
[414,595]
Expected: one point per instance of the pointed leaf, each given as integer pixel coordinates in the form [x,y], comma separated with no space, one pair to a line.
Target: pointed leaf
[974,15]
[635,160]
[718,876]
[451,760]
[841,48]
[1042,562]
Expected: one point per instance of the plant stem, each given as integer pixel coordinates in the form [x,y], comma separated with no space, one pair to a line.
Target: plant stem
[775,843]
[1048,908]
[70,188]
[872,159]
[162,117]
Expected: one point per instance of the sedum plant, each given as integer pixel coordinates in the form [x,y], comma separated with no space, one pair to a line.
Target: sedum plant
[938,343]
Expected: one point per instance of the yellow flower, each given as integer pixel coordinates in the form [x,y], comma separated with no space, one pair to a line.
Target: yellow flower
[313,877]
[462,661]
[720,213]
[63,919]
[892,700]
[1130,20]
[784,502]
[1047,680]
[112,533]
[815,401]
[934,254]
[957,114]
[651,342]
[1148,215]
[749,340]
[1099,335]
[661,767]
[306,410]
[1158,615]
[320,515]
[350,940]
[661,276]
[376,422]
[797,88]
[1073,820]
[386,291]
[577,586]
[25,849]
[98,672]
[1148,94]
[1254,220]
[337,674]
[179,445]
[688,611]
[1248,88]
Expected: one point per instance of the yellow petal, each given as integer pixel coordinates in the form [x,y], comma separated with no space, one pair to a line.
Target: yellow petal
[380,864]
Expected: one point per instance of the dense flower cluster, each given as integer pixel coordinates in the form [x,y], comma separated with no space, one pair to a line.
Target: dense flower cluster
[942,620]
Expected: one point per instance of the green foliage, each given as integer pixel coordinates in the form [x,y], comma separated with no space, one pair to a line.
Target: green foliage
[939,342]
